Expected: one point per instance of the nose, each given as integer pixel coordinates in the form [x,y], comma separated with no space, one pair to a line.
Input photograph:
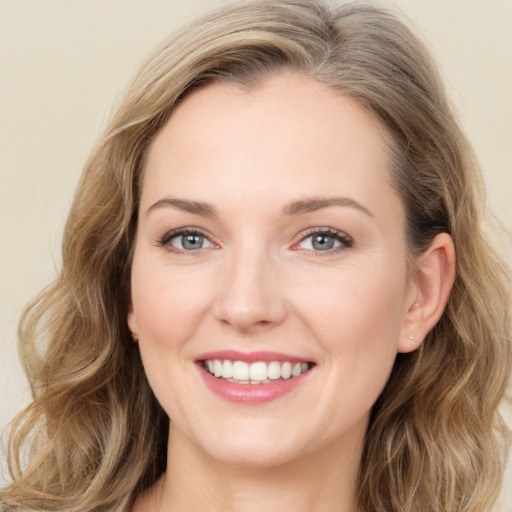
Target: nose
[249,298]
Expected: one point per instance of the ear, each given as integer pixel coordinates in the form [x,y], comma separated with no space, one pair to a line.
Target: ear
[132,321]
[431,283]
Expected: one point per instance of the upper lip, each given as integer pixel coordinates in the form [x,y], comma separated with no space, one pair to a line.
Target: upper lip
[251,357]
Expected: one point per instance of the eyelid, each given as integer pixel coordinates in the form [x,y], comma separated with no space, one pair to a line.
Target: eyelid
[165,240]
[346,240]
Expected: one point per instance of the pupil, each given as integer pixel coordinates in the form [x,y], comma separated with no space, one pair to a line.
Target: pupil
[192,241]
[322,242]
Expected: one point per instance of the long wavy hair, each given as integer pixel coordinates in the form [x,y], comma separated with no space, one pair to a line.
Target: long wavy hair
[94,435]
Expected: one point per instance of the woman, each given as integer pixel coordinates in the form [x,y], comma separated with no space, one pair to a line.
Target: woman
[277,244]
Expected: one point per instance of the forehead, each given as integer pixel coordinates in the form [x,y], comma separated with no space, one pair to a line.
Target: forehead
[290,133]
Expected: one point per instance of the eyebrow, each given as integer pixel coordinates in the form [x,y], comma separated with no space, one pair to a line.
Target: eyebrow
[196,207]
[300,207]
[313,204]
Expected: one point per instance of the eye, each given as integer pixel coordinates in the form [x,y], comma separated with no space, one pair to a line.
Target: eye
[324,240]
[186,240]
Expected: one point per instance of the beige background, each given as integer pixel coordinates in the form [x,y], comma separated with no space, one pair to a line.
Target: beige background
[63,62]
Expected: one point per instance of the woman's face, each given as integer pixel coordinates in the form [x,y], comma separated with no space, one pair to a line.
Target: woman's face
[269,241]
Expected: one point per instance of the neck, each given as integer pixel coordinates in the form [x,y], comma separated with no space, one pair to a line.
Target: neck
[324,480]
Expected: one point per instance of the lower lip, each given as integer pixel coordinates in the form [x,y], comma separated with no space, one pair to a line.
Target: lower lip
[251,393]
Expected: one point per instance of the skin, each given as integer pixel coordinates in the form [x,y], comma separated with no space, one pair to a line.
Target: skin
[257,283]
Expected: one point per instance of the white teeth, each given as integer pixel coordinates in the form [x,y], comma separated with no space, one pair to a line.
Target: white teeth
[240,370]
[227,369]
[254,373]
[296,370]
[274,370]
[286,370]
[217,368]
[258,371]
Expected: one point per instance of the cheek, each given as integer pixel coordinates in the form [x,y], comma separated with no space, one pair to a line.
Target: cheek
[167,305]
[357,318]
[167,302]
[358,324]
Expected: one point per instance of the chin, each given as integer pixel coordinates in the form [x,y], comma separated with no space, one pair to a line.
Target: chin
[254,456]
[255,448]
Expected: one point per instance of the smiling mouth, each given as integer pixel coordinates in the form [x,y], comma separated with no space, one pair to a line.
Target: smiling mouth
[260,372]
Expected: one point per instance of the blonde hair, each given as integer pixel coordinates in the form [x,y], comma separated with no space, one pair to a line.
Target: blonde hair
[94,434]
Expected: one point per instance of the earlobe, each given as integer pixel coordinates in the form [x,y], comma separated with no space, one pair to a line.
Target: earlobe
[433,281]
[132,322]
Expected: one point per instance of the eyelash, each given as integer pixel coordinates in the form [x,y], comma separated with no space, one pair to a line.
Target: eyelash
[165,241]
[344,240]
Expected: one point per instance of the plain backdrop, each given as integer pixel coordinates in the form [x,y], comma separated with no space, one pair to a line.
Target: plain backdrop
[63,63]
